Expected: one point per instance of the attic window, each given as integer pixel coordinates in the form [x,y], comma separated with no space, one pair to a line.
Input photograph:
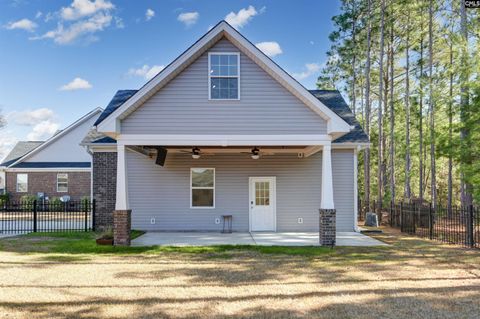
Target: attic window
[224,75]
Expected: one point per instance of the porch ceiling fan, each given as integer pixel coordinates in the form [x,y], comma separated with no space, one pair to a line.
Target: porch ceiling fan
[254,153]
[195,152]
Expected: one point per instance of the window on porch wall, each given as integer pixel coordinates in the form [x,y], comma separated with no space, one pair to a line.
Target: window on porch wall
[202,188]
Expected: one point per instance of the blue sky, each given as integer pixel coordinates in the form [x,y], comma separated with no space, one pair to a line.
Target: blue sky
[61,59]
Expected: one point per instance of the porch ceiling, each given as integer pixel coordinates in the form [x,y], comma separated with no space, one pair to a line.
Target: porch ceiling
[305,151]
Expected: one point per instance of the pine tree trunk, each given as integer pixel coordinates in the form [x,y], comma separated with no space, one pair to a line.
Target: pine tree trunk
[407,190]
[420,128]
[354,58]
[466,191]
[450,136]
[380,110]
[367,107]
[433,188]
[392,120]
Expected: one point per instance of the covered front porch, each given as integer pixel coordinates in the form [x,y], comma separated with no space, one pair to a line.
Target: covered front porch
[252,238]
[269,185]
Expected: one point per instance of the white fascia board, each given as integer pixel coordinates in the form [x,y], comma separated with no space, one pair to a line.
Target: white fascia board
[334,122]
[99,148]
[59,135]
[222,140]
[350,145]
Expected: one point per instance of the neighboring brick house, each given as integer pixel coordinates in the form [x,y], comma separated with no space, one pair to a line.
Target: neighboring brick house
[57,167]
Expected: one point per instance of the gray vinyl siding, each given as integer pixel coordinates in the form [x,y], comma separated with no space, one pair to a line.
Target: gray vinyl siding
[182,106]
[343,190]
[164,192]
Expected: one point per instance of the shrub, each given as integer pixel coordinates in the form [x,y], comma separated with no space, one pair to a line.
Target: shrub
[107,233]
[55,203]
[28,199]
[4,198]
[85,203]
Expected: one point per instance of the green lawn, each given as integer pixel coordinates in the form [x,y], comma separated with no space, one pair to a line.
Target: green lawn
[66,275]
[84,243]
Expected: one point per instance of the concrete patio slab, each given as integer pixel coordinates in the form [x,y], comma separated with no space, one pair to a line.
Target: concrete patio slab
[192,239]
[257,238]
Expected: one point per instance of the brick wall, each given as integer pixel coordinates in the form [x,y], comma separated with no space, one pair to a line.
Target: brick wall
[46,182]
[122,223]
[328,229]
[104,187]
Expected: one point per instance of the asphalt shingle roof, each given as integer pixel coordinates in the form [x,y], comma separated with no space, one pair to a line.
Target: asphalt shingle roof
[333,99]
[53,165]
[118,99]
[20,149]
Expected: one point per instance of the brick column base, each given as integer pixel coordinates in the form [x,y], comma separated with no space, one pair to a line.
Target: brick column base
[328,227]
[122,222]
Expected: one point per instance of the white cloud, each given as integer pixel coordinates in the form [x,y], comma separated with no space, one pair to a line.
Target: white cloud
[146,71]
[38,15]
[242,17]
[23,24]
[66,35]
[188,18]
[82,8]
[311,42]
[311,69]
[43,130]
[76,84]
[48,17]
[149,14]
[32,117]
[43,122]
[81,20]
[270,48]
[7,141]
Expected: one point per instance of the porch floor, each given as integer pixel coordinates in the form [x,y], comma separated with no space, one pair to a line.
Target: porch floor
[256,238]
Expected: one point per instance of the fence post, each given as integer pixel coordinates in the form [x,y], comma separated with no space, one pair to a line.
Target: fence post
[391,213]
[35,216]
[86,204]
[471,239]
[414,218]
[430,221]
[401,216]
[93,214]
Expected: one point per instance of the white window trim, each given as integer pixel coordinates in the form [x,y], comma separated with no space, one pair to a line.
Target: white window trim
[16,184]
[59,191]
[210,76]
[191,188]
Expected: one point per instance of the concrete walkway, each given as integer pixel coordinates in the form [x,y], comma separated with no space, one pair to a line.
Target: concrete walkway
[257,238]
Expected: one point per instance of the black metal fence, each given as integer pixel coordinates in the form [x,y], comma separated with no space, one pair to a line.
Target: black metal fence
[38,216]
[455,225]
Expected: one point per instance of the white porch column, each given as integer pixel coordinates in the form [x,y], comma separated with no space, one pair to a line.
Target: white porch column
[121,202]
[327,179]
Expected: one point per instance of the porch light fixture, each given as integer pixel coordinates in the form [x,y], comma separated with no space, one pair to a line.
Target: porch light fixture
[195,153]
[255,153]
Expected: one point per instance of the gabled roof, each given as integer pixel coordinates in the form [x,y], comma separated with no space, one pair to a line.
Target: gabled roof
[55,137]
[110,123]
[19,150]
[333,99]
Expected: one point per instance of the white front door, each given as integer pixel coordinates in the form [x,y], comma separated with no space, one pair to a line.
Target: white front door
[262,204]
